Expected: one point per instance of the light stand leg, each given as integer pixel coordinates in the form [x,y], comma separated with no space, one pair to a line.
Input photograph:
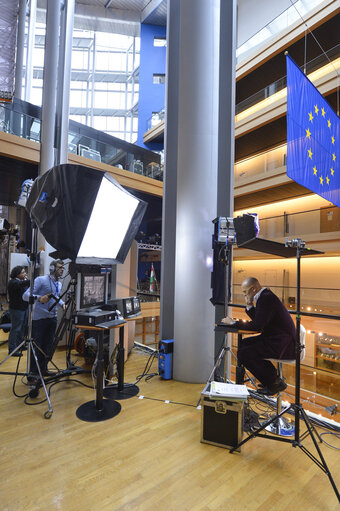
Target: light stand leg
[121,390]
[321,464]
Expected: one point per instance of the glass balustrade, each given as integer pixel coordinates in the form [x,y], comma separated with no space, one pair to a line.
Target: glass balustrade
[313,222]
[109,150]
[155,119]
[320,368]
[260,164]
[280,84]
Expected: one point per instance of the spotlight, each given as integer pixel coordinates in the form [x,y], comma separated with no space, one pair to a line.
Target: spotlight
[26,188]
[85,214]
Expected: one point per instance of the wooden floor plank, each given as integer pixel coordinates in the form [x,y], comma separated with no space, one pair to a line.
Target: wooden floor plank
[149,457]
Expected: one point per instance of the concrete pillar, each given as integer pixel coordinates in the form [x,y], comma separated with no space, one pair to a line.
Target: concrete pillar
[199,141]
[64,81]
[49,87]
[30,49]
[48,116]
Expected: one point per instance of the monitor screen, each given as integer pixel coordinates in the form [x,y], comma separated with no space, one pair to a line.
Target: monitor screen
[128,306]
[92,290]
[136,305]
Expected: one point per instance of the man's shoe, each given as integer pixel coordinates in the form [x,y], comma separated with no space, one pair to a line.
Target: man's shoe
[270,390]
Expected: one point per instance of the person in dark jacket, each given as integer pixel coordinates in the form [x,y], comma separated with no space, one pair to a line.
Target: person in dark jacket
[17,285]
[276,340]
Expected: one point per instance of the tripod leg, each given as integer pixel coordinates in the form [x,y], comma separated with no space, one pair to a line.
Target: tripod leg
[323,464]
[264,425]
[50,409]
[12,353]
[212,374]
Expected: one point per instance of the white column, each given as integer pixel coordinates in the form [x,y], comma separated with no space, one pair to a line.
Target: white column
[30,49]
[48,116]
[199,139]
[64,81]
[19,64]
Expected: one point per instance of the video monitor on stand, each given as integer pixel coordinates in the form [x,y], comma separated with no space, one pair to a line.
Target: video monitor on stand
[92,291]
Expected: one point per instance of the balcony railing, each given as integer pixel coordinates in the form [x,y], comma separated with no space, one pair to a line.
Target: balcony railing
[313,300]
[313,222]
[155,119]
[85,141]
[261,163]
[280,84]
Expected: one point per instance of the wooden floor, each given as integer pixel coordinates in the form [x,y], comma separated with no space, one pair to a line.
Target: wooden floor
[149,457]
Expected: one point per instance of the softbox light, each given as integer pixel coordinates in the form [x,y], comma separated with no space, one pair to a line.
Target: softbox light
[85,214]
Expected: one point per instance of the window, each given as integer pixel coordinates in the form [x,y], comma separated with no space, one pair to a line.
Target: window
[159,78]
[159,41]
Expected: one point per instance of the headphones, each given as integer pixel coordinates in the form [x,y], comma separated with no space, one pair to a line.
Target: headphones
[52,267]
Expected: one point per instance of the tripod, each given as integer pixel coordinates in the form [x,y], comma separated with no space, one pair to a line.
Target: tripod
[240,371]
[297,407]
[31,346]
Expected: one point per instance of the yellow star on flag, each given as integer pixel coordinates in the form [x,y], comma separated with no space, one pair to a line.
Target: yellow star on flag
[333,140]
[321,180]
[329,123]
[310,154]
[315,170]
[307,133]
[334,157]
[316,109]
[332,171]
[311,116]
[323,112]
[327,179]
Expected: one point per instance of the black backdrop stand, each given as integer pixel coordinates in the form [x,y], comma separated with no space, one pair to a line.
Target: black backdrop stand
[295,407]
[121,390]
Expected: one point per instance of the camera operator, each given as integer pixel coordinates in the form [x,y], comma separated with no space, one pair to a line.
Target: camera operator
[46,291]
[17,285]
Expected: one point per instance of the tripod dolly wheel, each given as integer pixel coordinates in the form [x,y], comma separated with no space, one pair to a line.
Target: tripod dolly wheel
[33,392]
[48,414]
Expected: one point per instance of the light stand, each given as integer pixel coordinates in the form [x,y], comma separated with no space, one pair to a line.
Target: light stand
[29,341]
[224,238]
[296,407]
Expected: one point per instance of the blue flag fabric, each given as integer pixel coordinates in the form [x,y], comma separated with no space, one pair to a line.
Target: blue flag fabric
[313,137]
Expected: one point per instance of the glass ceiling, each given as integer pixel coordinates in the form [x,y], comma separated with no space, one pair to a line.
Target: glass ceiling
[294,13]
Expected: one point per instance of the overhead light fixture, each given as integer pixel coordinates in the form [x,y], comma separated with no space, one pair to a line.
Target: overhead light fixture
[85,214]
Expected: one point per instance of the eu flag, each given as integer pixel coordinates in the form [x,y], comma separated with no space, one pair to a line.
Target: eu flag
[313,137]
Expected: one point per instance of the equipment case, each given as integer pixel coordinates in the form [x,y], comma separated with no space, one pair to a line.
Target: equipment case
[222,420]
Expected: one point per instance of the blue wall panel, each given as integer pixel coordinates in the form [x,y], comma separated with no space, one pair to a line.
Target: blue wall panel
[151,96]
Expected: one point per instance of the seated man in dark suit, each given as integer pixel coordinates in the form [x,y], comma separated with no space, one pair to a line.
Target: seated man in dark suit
[277,339]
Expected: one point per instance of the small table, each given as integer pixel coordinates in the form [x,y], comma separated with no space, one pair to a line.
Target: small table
[101,409]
